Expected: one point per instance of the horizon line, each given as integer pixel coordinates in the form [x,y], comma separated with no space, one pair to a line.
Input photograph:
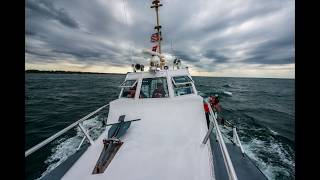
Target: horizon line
[88,72]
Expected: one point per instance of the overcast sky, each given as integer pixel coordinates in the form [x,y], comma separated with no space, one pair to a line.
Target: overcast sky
[234,38]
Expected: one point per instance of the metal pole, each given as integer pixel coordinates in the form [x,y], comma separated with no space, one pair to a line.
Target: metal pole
[85,133]
[159,41]
[81,142]
[234,138]
[208,133]
[238,140]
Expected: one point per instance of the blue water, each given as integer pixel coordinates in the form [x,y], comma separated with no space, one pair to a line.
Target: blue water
[263,110]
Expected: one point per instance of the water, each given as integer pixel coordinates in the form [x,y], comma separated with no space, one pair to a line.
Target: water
[263,110]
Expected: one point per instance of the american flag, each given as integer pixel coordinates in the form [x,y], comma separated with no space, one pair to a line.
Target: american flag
[154,48]
[155,37]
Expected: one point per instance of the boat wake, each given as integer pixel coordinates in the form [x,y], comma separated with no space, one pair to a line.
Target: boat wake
[227,93]
[65,147]
[227,85]
[277,164]
[274,158]
[219,92]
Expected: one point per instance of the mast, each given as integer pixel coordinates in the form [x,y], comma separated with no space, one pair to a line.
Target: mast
[156,5]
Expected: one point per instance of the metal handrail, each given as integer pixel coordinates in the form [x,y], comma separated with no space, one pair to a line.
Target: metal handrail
[225,154]
[237,140]
[53,137]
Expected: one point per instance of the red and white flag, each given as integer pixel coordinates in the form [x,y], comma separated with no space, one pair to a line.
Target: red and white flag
[154,48]
[155,37]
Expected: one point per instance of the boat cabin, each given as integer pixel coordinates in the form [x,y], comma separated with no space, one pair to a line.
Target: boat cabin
[161,84]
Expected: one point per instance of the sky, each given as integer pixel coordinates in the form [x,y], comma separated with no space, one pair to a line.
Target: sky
[233,38]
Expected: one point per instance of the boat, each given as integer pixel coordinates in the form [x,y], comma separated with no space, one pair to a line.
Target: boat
[156,129]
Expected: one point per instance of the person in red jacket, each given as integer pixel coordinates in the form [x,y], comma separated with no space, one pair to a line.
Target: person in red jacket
[206,110]
[214,102]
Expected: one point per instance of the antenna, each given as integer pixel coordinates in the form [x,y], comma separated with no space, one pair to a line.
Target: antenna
[172,54]
[156,5]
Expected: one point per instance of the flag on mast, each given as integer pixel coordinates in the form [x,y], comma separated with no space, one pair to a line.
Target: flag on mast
[154,48]
[155,37]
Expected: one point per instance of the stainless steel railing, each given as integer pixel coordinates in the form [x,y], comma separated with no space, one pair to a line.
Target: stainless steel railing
[226,157]
[53,137]
[236,139]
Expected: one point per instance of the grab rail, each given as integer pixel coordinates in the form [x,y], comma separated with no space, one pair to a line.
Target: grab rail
[237,140]
[53,137]
[226,157]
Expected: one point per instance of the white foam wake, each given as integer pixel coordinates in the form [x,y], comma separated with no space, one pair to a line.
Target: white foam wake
[269,167]
[67,146]
[227,93]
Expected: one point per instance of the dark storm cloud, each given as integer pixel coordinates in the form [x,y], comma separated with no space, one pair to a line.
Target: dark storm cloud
[46,9]
[278,51]
[203,33]
[36,53]
[30,32]
[218,58]
[186,56]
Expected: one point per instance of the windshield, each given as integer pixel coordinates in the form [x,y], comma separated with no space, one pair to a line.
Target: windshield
[154,88]
[178,80]
[129,92]
[128,83]
[129,88]
[182,85]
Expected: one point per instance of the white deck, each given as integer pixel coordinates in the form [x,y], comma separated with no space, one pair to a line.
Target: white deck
[164,144]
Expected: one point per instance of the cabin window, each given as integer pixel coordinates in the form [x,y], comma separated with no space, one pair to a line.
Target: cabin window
[179,80]
[129,88]
[182,85]
[128,83]
[154,88]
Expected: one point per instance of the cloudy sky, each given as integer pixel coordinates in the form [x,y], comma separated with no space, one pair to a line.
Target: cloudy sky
[233,38]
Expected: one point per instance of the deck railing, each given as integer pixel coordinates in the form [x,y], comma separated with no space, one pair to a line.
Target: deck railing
[226,157]
[236,139]
[77,123]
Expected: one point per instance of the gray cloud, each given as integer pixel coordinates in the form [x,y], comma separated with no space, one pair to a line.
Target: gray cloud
[217,32]
[186,56]
[277,51]
[45,9]
[218,58]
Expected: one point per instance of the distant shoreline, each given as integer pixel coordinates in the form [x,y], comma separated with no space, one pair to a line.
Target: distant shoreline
[66,72]
[79,72]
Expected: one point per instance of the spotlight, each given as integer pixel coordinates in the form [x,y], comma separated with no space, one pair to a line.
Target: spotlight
[137,66]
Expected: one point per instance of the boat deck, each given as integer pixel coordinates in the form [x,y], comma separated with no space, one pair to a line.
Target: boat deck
[165,144]
[160,147]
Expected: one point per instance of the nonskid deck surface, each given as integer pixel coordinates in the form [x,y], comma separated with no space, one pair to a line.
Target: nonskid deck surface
[165,144]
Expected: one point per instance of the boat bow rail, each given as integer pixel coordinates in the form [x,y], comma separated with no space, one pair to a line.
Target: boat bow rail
[226,157]
[230,160]
[63,131]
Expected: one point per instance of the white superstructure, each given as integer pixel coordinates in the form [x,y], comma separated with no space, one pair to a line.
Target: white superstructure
[165,144]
